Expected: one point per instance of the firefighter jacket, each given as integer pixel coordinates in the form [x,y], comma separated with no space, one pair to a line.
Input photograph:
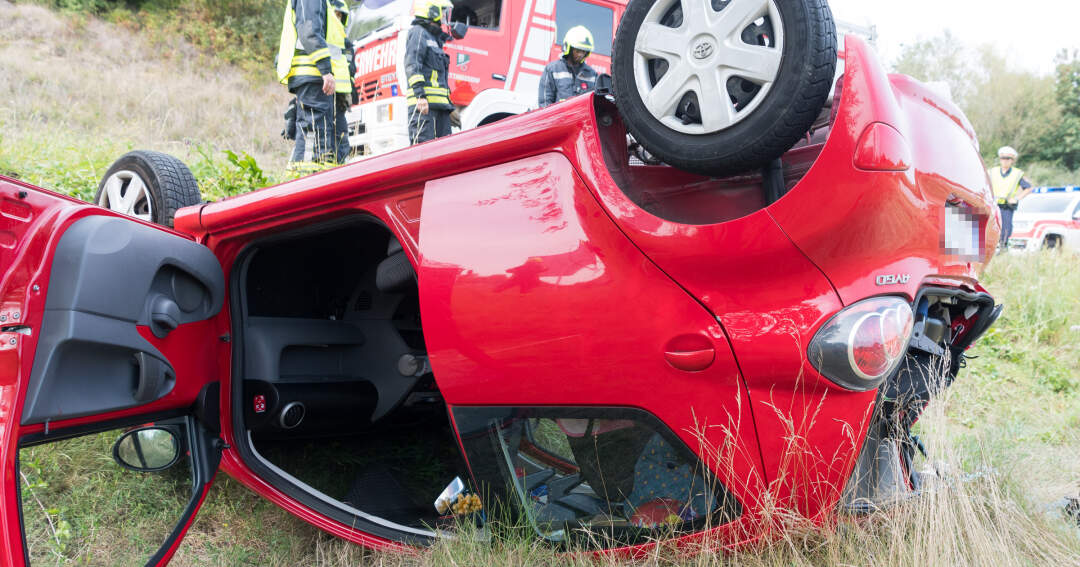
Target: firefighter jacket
[427,67]
[561,80]
[312,45]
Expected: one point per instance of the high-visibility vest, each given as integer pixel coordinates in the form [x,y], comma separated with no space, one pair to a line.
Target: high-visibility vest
[294,61]
[1005,188]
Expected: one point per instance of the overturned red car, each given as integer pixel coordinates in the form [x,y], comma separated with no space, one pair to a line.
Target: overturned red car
[593,344]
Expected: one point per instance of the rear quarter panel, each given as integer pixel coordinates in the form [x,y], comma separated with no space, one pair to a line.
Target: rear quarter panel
[856,224]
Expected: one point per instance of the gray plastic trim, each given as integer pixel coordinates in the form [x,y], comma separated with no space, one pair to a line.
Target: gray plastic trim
[108,274]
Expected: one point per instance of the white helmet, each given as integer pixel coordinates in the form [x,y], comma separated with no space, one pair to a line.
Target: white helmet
[1007,152]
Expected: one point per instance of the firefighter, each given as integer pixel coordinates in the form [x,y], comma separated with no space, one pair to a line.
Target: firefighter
[427,67]
[569,75]
[311,62]
[1010,186]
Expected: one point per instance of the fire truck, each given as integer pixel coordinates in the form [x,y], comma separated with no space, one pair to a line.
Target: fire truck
[494,71]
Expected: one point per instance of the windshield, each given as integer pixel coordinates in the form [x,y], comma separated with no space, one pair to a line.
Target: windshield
[1046,203]
[371,15]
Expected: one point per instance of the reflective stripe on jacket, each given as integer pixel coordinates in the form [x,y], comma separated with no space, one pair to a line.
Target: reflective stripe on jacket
[312,45]
[427,68]
[1005,188]
[559,82]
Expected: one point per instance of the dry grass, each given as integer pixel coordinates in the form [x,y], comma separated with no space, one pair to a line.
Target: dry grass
[78,92]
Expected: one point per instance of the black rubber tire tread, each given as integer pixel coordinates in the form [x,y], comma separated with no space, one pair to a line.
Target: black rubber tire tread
[171,184]
[789,109]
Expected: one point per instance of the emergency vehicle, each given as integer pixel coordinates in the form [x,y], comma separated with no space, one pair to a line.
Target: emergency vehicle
[1048,218]
[494,71]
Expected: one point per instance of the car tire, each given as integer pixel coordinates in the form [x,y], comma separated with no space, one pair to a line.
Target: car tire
[148,185]
[773,80]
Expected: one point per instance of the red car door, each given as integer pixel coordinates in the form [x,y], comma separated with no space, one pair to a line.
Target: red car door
[534,302]
[105,322]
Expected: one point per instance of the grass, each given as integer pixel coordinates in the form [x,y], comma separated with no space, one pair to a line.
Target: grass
[80,91]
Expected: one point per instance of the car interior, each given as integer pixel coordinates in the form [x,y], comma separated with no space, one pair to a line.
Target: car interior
[688,198]
[338,397]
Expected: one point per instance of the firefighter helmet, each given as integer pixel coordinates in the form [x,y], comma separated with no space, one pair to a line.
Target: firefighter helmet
[577,37]
[342,10]
[432,10]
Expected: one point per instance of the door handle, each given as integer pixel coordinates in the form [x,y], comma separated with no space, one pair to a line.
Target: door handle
[691,360]
[690,352]
[164,316]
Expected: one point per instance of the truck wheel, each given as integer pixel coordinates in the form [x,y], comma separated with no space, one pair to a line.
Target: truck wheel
[148,185]
[722,86]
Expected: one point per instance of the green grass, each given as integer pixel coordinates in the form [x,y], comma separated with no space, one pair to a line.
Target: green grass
[62,130]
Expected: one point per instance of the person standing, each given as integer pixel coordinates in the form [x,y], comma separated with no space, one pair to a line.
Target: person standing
[311,62]
[569,75]
[427,67]
[1010,187]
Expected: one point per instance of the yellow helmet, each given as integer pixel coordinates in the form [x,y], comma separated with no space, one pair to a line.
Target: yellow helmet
[433,10]
[577,37]
[342,9]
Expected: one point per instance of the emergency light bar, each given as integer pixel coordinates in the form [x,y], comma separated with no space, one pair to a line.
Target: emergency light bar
[1066,189]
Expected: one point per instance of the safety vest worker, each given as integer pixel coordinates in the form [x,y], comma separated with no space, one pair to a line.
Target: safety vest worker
[311,61]
[427,68]
[569,75]
[1009,187]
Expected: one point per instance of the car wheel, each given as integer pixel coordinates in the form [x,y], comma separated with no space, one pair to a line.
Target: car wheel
[1052,242]
[722,86]
[148,185]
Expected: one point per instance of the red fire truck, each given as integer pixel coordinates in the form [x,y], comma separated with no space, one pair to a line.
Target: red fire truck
[494,71]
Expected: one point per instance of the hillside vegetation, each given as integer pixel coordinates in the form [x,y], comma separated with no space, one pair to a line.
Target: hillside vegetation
[84,84]
[78,92]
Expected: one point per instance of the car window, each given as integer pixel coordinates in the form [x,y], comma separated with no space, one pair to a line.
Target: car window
[477,13]
[1046,203]
[598,19]
[81,507]
[575,474]
[371,15]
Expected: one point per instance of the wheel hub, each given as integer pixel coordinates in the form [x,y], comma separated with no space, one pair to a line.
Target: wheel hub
[703,48]
[702,66]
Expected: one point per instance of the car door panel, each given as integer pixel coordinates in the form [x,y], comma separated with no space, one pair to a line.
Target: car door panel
[105,321]
[90,352]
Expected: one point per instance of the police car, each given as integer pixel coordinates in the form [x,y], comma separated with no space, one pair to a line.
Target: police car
[1048,218]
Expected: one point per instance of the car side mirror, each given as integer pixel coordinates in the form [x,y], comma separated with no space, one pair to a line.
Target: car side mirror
[147,449]
[603,84]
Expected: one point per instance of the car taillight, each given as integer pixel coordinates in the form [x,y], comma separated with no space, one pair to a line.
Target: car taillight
[863,343]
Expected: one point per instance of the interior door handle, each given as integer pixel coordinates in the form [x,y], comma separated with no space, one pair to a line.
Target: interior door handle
[164,316]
